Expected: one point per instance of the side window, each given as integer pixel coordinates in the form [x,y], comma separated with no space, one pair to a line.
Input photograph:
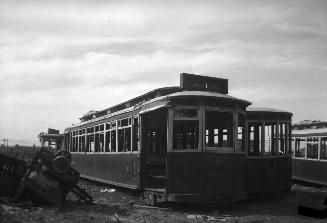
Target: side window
[299,147]
[101,144]
[254,138]
[241,132]
[124,140]
[113,140]
[270,138]
[81,143]
[136,136]
[107,142]
[124,135]
[75,141]
[282,139]
[323,148]
[91,143]
[96,141]
[90,139]
[312,147]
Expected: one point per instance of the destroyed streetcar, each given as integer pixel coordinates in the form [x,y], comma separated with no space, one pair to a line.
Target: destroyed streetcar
[190,143]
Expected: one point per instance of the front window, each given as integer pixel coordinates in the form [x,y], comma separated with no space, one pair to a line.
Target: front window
[154,128]
[186,134]
[218,129]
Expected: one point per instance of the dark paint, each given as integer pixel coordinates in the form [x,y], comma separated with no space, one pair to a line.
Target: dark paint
[266,175]
[204,175]
[119,169]
[310,170]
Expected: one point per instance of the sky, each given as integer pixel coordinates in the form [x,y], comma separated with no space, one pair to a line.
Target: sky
[61,59]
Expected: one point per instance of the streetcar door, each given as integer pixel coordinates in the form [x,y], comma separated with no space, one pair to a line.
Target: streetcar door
[154,148]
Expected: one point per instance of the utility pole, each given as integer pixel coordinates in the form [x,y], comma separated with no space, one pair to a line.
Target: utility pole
[4,143]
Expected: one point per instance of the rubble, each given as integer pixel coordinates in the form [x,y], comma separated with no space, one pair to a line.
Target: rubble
[207,218]
[48,178]
[107,190]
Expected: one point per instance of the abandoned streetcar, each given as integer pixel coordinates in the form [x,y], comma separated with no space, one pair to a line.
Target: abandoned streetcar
[310,152]
[191,143]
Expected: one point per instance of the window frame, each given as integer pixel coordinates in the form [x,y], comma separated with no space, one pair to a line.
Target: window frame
[320,147]
[263,137]
[312,143]
[105,127]
[300,139]
[170,127]
[228,149]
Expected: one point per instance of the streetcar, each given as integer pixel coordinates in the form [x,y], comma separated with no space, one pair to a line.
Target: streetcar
[269,151]
[188,143]
[310,152]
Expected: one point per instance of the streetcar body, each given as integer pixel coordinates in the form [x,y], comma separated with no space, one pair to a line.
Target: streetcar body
[310,153]
[187,143]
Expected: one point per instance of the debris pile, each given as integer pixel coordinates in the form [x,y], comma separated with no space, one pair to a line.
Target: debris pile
[48,178]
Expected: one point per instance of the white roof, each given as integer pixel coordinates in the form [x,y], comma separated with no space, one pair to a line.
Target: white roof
[198,94]
[154,103]
[264,109]
[320,131]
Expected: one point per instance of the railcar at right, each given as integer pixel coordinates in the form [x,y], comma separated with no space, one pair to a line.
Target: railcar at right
[309,148]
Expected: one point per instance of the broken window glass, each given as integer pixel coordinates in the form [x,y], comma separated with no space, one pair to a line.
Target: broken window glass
[96,142]
[299,149]
[270,139]
[218,129]
[185,134]
[135,134]
[107,143]
[241,132]
[113,141]
[185,113]
[323,148]
[282,139]
[254,131]
[312,147]
[101,144]
[91,143]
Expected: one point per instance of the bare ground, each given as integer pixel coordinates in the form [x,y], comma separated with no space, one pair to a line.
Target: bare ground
[122,206]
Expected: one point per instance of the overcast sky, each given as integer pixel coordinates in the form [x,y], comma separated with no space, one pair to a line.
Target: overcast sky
[60,59]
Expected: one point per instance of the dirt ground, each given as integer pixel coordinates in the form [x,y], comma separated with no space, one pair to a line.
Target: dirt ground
[122,206]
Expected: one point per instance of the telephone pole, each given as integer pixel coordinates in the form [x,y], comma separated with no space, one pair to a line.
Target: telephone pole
[4,143]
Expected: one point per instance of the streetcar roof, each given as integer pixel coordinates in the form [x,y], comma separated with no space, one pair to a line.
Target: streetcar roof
[310,132]
[199,94]
[163,101]
[265,109]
